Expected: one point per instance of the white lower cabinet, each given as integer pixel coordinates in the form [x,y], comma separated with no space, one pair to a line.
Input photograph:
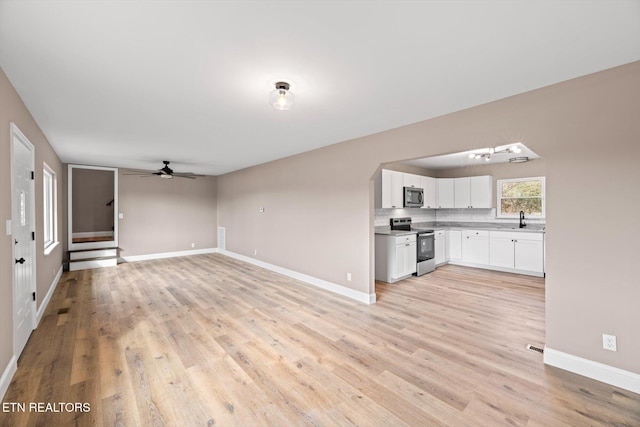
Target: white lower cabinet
[454,245]
[475,246]
[396,257]
[517,250]
[440,246]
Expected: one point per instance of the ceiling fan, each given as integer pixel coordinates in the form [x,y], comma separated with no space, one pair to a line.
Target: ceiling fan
[164,172]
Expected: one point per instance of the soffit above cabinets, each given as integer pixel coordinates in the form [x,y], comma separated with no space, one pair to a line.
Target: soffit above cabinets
[459,160]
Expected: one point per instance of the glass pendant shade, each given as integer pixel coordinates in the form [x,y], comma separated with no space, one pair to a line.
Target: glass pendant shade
[281,98]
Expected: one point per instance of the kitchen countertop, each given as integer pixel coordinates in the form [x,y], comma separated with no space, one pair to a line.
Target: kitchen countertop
[441,225]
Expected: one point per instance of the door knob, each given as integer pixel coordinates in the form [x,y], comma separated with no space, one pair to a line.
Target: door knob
[20,261]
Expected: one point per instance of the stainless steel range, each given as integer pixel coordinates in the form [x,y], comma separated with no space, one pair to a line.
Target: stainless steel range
[425,244]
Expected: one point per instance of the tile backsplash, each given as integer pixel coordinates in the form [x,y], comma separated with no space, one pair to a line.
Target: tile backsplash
[381,216]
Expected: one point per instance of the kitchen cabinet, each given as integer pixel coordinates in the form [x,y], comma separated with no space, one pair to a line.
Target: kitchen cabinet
[473,192]
[475,246]
[411,180]
[391,189]
[406,258]
[440,244]
[445,192]
[517,250]
[430,187]
[454,245]
[529,253]
[396,257]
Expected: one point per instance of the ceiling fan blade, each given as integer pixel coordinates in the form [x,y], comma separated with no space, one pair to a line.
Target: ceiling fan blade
[184,176]
[138,170]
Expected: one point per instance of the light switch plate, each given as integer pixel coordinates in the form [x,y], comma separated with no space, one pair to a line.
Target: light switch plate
[120,215]
[8,227]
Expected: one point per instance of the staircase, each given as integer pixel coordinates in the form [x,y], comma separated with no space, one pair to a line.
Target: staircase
[93,258]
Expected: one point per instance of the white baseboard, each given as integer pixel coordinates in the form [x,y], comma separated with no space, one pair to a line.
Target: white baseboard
[134,258]
[329,286]
[590,369]
[495,268]
[47,297]
[7,375]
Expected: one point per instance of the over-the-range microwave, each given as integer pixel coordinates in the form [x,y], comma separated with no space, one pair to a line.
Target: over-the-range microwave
[413,197]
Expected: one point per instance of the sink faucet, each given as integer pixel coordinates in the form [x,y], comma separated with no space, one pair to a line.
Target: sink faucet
[522,223]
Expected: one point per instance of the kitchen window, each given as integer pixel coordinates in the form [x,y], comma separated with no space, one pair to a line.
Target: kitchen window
[50,194]
[521,194]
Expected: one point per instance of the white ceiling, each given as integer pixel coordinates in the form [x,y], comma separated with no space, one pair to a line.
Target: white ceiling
[131,83]
[460,160]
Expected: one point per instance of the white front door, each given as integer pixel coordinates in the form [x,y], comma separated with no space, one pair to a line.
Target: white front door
[22,220]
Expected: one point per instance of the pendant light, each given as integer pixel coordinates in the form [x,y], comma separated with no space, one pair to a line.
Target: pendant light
[282,98]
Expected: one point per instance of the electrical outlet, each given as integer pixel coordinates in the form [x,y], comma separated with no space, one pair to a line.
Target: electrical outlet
[348,277]
[193,245]
[609,342]
[261,210]
[255,252]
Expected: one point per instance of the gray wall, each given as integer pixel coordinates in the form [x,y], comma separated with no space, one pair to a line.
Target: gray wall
[92,190]
[13,110]
[166,215]
[319,205]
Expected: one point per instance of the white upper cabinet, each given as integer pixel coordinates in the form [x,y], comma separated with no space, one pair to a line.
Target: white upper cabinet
[430,192]
[411,180]
[439,193]
[481,191]
[462,192]
[391,188]
[445,193]
[473,192]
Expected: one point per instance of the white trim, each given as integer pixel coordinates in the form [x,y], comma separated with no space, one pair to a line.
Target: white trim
[95,263]
[50,248]
[590,369]
[7,376]
[93,234]
[47,297]
[495,268]
[323,284]
[134,258]
[92,253]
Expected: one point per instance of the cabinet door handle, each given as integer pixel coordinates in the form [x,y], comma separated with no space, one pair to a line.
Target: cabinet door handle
[20,261]
[406,244]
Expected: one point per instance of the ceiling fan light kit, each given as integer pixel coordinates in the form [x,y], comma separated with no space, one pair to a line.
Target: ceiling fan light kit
[282,98]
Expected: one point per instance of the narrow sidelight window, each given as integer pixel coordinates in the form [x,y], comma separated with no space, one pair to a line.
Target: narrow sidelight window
[50,195]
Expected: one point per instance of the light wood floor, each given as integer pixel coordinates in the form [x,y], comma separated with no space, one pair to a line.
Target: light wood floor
[207,340]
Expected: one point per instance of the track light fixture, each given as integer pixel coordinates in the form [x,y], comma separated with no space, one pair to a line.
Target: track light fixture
[488,152]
